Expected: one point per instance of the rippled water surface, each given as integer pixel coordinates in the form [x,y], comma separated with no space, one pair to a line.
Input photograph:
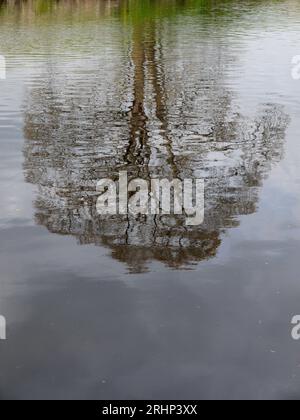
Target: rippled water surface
[147,307]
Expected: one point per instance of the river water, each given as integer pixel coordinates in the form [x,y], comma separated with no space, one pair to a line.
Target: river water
[128,307]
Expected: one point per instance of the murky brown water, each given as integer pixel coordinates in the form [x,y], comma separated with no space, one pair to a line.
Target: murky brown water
[147,307]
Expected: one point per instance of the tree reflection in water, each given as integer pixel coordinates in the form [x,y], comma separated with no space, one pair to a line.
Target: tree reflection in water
[154,101]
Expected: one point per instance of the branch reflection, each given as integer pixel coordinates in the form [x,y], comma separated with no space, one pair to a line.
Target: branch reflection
[154,101]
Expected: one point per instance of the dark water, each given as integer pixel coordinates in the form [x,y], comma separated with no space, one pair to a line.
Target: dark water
[146,307]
